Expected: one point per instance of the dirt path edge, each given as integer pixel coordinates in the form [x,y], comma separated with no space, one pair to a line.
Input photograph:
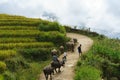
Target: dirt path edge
[67,73]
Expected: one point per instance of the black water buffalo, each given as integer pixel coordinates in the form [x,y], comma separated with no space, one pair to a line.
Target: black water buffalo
[70,46]
[58,65]
[75,40]
[48,71]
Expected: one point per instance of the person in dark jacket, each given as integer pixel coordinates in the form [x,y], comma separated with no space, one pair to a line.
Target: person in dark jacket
[55,58]
[79,49]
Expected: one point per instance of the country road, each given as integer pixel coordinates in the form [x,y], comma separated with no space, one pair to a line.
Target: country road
[67,73]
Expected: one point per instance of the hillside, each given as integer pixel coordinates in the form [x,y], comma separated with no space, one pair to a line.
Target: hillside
[102,61]
[25,45]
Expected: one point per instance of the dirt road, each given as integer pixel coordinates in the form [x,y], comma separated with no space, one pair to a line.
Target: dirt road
[67,73]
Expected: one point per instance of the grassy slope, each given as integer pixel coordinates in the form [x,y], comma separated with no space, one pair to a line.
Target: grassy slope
[22,43]
[17,29]
[101,61]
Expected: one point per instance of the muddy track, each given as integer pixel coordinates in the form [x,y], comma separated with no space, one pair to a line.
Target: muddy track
[67,73]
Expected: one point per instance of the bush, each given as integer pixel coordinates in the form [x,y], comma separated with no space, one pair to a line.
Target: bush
[40,54]
[2,67]
[52,26]
[88,73]
[109,49]
[55,37]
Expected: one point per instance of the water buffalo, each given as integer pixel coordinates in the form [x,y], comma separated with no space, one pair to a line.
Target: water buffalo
[75,40]
[48,71]
[70,46]
[58,65]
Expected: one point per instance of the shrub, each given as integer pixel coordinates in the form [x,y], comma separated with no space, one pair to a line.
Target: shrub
[55,37]
[52,26]
[2,67]
[88,73]
[40,54]
[109,49]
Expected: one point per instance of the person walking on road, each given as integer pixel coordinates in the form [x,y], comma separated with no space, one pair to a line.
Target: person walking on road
[79,50]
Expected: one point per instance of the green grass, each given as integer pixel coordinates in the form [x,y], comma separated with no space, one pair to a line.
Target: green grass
[19,33]
[2,67]
[104,56]
[1,77]
[33,72]
[5,54]
[109,48]
[19,23]
[30,73]
[5,46]
[25,48]
[87,73]
[17,40]
[18,28]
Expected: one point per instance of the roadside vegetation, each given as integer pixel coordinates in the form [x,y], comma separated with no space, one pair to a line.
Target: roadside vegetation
[102,61]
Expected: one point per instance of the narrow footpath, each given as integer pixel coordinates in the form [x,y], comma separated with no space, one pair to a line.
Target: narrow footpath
[67,73]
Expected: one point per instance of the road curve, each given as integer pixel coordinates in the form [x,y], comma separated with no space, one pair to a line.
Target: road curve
[67,73]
